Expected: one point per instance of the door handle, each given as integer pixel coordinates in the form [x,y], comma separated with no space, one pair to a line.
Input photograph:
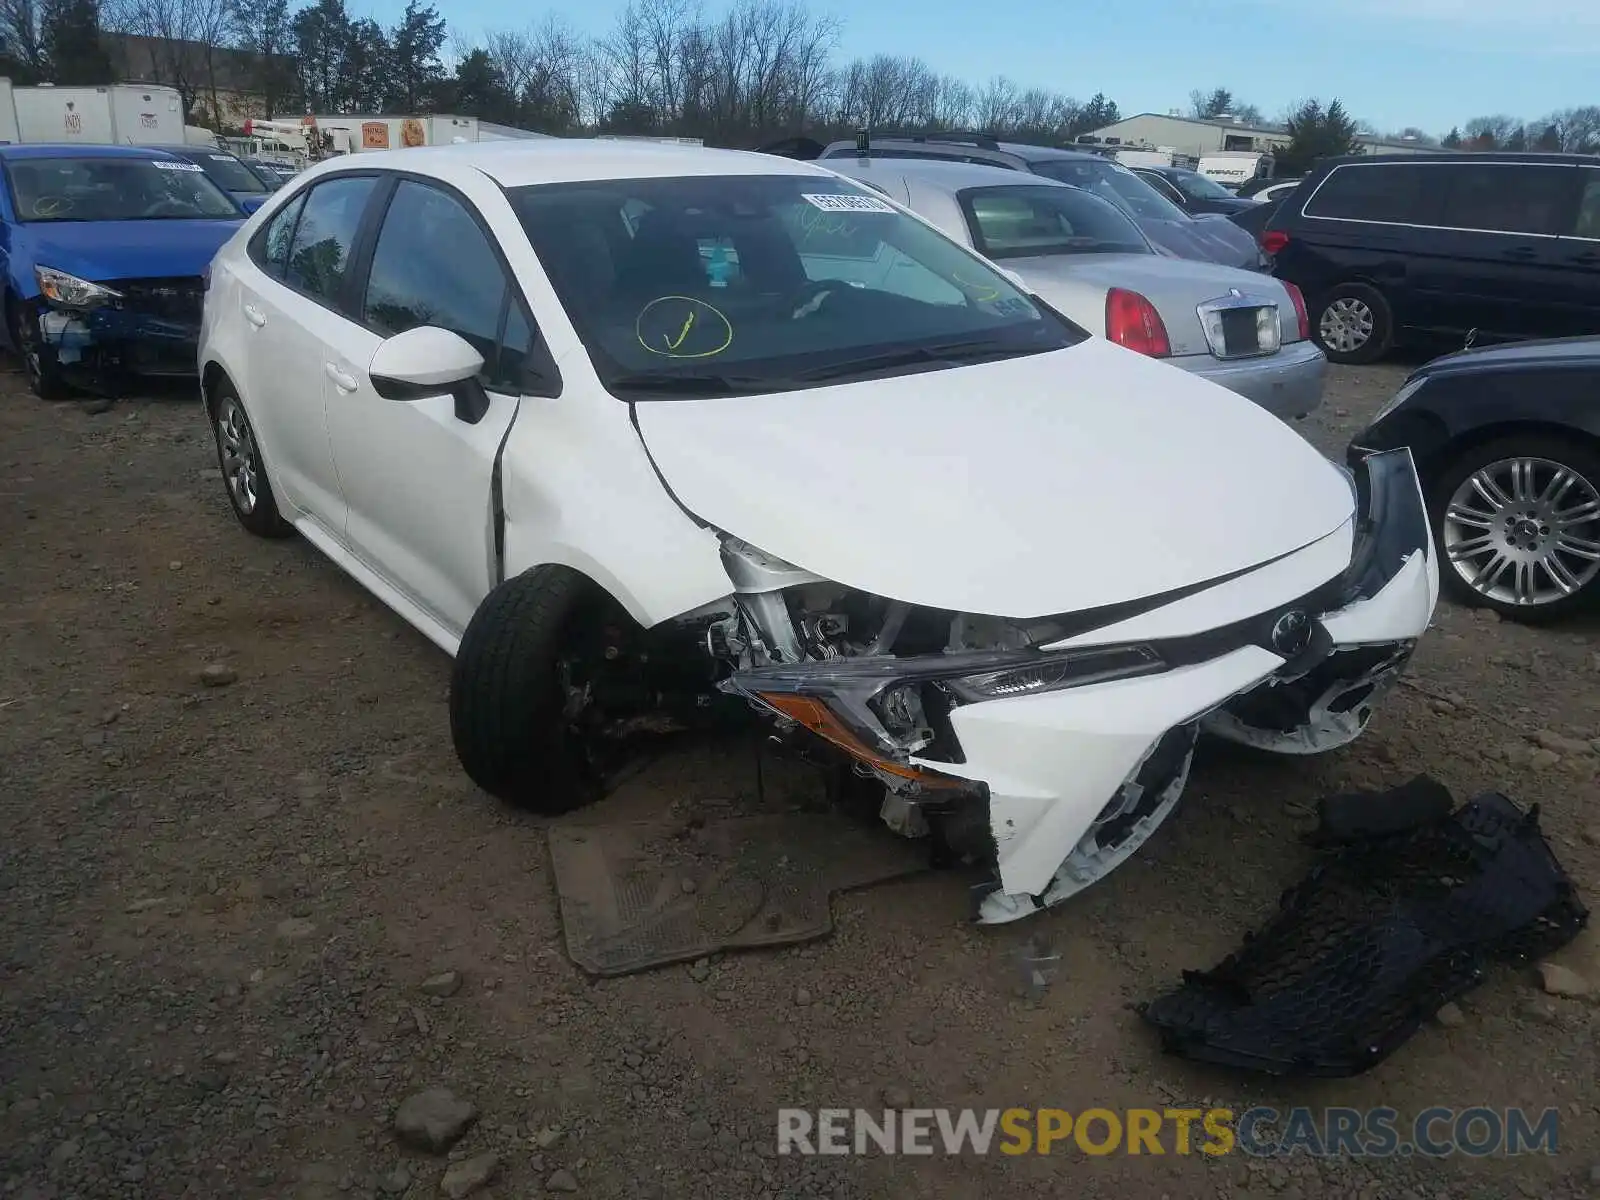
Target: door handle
[254,315]
[1520,253]
[345,383]
[1586,259]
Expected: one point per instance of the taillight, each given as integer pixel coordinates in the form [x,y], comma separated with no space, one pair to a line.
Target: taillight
[1132,321]
[1274,240]
[1298,299]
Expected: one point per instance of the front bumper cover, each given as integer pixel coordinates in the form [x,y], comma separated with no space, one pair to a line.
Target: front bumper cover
[104,348]
[1076,778]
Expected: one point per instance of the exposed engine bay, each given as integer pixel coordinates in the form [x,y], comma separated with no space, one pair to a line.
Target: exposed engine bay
[1009,743]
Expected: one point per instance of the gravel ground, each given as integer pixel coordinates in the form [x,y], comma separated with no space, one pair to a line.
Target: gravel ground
[225,899]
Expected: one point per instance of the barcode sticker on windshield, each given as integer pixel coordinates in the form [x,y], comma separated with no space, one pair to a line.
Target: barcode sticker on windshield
[837,202]
[177,166]
[221,157]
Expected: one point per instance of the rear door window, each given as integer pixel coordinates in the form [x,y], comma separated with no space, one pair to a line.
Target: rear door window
[319,257]
[1587,224]
[1508,197]
[1392,193]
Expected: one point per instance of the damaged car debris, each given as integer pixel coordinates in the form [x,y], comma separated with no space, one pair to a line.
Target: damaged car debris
[779,444]
[1408,906]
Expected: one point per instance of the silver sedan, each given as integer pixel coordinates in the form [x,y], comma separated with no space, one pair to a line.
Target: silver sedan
[1246,331]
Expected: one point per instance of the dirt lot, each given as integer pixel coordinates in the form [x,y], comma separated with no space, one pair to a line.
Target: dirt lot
[219,904]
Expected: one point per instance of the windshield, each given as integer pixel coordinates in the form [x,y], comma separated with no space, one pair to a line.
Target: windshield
[1037,219]
[1197,187]
[711,285]
[1112,182]
[115,189]
[232,175]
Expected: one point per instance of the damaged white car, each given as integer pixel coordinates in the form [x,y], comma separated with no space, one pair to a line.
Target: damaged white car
[605,422]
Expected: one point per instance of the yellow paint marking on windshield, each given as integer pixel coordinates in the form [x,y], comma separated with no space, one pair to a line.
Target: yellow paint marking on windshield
[714,333]
[981,292]
[688,324]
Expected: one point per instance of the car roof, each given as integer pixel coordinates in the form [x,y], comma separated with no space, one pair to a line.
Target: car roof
[941,174]
[57,150]
[936,145]
[574,160]
[1469,156]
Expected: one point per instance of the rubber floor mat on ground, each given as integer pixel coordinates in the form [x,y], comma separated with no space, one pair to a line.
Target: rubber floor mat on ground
[642,894]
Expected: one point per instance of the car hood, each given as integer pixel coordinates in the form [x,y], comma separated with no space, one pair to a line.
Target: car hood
[1193,240]
[1237,247]
[101,251]
[1546,352]
[1176,286]
[1032,486]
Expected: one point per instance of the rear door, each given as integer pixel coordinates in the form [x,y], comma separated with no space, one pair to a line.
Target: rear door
[1578,255]
[1499,269]
[287,304]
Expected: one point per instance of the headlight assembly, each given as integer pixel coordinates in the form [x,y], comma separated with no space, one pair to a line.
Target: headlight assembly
[69,291]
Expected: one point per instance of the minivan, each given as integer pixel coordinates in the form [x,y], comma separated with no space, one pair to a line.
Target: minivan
[1470,246]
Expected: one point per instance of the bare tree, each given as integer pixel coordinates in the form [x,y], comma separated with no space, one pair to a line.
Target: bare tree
[22,35]
[171,29]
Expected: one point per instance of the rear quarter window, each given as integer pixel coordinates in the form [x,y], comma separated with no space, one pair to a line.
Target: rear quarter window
[1389,193]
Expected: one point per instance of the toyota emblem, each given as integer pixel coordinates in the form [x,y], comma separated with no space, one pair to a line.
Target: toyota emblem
[1292,633]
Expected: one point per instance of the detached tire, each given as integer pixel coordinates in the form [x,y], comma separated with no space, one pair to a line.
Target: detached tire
[507,702]
[1353,324]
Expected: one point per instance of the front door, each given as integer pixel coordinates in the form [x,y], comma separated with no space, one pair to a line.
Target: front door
[1578,255]
[418,479]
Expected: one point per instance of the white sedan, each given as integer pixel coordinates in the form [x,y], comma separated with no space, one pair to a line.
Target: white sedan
[600,420]
[1086,258]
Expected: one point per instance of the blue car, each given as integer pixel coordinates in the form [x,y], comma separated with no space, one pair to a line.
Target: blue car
[104,251]
[229,172]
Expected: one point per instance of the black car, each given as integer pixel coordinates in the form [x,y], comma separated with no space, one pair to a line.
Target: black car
[1193,192]
[227,172]
[1507,445]
[1482,247]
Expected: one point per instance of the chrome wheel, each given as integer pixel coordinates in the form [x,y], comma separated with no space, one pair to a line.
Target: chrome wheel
[1346,325]
[1524,531]
[241,465]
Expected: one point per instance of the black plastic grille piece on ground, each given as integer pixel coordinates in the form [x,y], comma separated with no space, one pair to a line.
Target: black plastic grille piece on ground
[1389,925]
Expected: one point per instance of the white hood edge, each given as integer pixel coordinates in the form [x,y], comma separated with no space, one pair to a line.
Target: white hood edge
[1028,487]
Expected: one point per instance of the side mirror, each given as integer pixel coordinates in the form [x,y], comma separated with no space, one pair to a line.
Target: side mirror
[250,203]
[429,361]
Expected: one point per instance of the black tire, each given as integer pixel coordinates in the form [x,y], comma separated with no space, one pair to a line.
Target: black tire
[1581,458]
[1369,299]
[507,702]
[38,360]
[249,495]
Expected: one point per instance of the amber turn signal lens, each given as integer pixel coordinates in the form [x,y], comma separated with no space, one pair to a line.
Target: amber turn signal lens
[816,716]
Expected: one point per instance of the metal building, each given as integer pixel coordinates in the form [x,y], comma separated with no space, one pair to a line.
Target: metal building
[1188,135]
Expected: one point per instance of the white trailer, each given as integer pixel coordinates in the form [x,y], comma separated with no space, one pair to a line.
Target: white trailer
[1159,156]
[8,114]
[121,114]
[1235,168]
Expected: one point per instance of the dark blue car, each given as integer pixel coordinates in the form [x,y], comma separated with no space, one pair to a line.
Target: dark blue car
[228,172]
[104,250]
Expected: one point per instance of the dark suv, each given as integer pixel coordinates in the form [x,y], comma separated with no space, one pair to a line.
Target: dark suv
[1207,239]
[1487,247]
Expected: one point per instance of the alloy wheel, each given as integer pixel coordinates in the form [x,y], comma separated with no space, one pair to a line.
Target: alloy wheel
[240,462]
[1524,531]
[1346,325]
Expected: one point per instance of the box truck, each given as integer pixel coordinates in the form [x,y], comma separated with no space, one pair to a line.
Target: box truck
[120,114]
[397,133]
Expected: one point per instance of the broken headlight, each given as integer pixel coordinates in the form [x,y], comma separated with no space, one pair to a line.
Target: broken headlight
[69,291]
[882,710]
